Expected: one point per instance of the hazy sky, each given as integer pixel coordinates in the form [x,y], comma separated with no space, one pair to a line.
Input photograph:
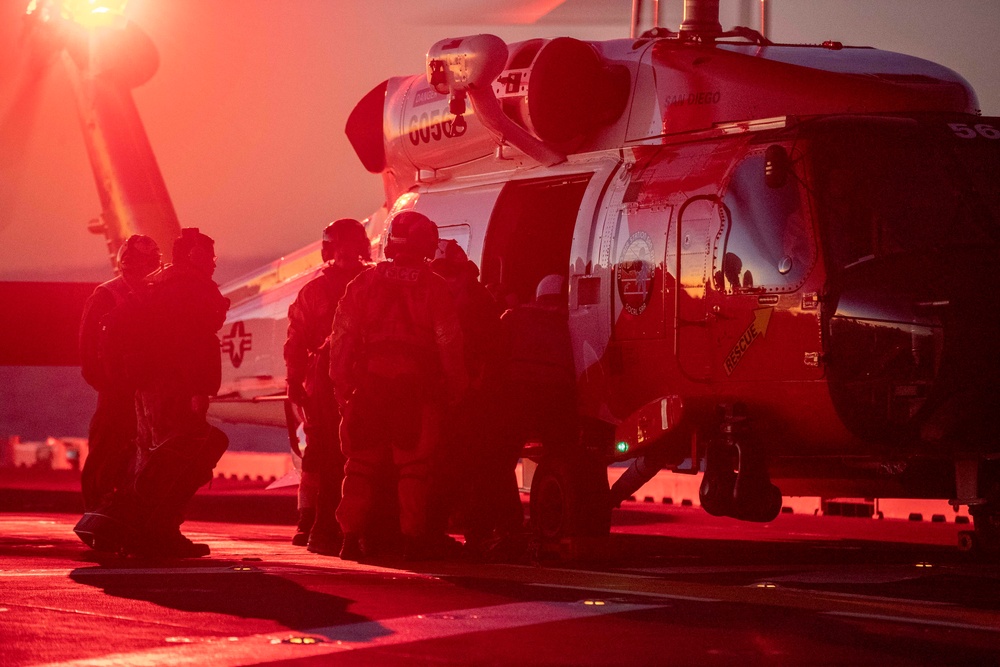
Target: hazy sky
[247,110]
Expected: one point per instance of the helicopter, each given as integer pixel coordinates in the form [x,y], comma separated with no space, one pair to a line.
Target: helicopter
[771,253]
[777,259]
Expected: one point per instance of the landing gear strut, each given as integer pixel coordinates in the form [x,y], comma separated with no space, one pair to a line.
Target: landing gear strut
[985,539]
[736,482]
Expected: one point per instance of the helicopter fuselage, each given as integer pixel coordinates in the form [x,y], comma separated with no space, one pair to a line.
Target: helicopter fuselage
[776,247]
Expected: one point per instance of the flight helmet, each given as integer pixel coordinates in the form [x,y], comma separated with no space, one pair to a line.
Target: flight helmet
[194,249]
[138,254]
[411,233]
[549,287]
[349,233]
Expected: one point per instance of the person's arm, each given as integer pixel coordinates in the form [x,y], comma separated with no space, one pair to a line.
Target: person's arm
[296,351]
[345,339]
[97,306]
[449,340]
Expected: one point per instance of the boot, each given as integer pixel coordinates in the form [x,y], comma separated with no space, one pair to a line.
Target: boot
[309,487]
[351,548]
[326,540]
[104,533]
[182,547]
[307,515]
[169,543]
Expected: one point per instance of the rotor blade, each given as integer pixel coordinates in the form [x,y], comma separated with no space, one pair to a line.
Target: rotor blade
[522,12]
[21,94]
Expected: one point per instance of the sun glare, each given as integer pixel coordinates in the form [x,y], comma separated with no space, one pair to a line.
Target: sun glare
[87,13]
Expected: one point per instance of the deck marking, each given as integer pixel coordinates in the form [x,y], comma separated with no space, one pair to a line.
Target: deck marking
[272,568]
[618,591]
[256,649]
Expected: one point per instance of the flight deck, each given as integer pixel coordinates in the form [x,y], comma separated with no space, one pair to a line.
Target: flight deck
[674,585]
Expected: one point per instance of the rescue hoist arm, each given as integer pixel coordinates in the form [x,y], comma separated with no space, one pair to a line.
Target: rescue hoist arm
[466,67]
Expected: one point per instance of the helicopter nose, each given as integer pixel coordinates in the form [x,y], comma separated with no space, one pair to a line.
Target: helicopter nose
[965,388]
[911,350]
[881,372]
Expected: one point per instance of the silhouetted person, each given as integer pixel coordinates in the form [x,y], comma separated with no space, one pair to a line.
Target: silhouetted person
[468,459]
[538,383]
[345,248]
[177,448]
[396,361]
[103,328]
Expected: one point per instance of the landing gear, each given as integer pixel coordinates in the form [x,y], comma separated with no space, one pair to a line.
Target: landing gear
[736,482]
[985,539]
[978,486]
[570,498]
[719,481]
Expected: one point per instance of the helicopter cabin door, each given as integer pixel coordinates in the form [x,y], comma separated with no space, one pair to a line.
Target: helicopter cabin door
[690,234]
[530,235]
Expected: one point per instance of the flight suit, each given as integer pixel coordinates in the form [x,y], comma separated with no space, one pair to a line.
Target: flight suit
[177,448]
[538,376]
[396,360]
[310,319]
[111,440]
[469,469]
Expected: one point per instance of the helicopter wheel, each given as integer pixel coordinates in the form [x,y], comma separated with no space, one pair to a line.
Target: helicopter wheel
[570,498]
[736,484]
[719,482]
[758,501]
[755,498]
[716,493]
[985,539]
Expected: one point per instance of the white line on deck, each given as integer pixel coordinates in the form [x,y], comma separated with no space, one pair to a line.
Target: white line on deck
[618,591]
[256,649]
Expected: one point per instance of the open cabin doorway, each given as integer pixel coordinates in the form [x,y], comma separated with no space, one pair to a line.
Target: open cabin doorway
[530,235]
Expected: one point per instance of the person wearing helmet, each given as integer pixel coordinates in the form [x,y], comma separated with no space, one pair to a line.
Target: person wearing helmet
[346,251]
[111,441]
[467,460]
[177,449]
[396,361]
[537,381]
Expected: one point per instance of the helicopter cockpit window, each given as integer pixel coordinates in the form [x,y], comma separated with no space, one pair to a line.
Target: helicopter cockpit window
[884,192]
[768,245]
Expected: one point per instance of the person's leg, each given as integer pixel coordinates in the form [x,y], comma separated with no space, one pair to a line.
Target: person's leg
[325,533]
[111,448]
[368,455]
